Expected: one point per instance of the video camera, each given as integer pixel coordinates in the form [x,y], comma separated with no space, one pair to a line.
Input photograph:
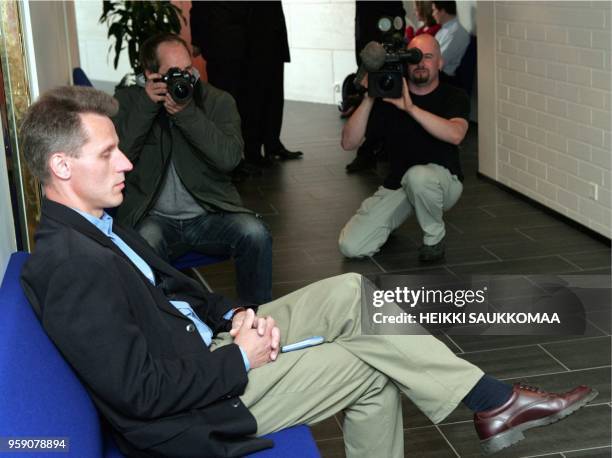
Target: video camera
[386,63]
[180,84]
[387,82]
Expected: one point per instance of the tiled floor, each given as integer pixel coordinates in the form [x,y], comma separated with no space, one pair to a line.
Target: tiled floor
[305,204]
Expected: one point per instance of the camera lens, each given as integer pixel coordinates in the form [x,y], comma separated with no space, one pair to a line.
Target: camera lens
[181,91]
[386,83]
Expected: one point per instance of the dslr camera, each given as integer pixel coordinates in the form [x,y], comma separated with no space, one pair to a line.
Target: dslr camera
[387,80]
[180,84]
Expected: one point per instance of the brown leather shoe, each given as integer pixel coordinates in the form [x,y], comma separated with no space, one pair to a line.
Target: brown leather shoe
[527,408]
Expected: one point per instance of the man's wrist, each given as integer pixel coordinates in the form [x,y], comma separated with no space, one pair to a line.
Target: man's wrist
[411,110]
[230,314]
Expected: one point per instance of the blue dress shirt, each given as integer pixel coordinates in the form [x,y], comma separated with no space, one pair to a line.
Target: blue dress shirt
[454,40]
[105,225]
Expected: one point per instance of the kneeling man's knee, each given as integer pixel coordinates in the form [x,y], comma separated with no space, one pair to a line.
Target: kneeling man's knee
[418,177]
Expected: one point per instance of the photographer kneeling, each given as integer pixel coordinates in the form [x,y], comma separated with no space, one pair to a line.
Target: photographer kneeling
[183,137]
[421,131]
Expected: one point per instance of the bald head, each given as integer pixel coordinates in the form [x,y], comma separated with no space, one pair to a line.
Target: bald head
[424,76]
[426,43]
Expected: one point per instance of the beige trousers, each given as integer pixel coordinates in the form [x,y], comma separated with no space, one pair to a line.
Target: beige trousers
[427,190]
[360,374]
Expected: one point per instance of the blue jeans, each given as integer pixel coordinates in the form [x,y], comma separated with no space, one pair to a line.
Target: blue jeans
[243,236]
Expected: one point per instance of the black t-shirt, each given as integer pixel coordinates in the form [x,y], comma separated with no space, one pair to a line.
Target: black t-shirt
[407,143]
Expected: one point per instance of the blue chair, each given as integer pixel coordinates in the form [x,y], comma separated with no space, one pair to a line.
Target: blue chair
[79,78]
[41,396]
[191,260]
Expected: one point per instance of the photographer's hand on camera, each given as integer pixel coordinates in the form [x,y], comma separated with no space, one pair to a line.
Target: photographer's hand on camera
[155,89]
[404,103]
[172,107]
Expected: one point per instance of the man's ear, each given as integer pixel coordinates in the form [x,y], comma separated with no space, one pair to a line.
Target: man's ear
[60,166]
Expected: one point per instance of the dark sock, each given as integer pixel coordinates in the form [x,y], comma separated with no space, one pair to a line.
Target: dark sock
[487,394]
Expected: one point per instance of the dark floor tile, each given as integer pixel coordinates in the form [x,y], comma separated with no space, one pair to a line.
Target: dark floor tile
[547,264]
[482,194]
[319,271]
[467,214]
[511,363]
[412,416]
[559,231]
[331,448]
[303,240]
[602,320]
[529,249]
[399,242]
[503,288]
[453,256]
[604,452]
[590,259]
[600,271]
[537,218]
[427,270]
[477,343]
[302,272]
[282,289]
[515,208]
[326,429]
[588,427]
[480,237]
[426,443]
[582,354]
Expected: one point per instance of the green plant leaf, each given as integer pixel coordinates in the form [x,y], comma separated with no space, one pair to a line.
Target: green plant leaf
[118,43]
[132,22]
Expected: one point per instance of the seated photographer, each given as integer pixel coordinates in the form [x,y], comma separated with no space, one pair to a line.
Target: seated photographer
[421,131]
[183,136]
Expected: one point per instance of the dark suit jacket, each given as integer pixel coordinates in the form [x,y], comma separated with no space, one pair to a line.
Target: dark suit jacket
[161,389]
[240,30]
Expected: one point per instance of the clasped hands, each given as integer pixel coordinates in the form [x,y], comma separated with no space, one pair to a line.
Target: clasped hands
[158,92]
[258,336]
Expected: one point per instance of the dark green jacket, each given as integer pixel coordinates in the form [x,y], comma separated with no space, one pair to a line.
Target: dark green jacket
[203,139]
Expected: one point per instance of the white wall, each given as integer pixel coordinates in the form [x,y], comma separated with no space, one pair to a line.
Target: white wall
[51,43]
[550,104]
[94,45]
[322,43]
[321,37]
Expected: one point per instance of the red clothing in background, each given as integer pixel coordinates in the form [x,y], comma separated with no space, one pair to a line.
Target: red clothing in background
[431,30]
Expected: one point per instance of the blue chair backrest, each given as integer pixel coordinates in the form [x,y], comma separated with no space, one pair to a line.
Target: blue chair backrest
[79,78]
[40,395]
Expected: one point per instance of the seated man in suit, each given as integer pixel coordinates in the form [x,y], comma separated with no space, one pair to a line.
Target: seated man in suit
[178,371]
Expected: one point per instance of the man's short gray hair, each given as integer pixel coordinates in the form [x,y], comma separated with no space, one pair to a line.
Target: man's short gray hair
[53,124]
